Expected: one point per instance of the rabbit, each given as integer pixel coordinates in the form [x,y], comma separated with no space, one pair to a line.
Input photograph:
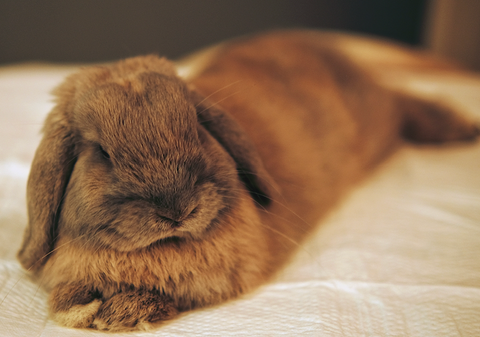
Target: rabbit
[151,194]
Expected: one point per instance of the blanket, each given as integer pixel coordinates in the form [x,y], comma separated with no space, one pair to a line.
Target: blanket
[399,257]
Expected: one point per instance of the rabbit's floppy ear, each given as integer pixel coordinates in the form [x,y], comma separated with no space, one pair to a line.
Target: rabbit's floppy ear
[49,174]
[223,127]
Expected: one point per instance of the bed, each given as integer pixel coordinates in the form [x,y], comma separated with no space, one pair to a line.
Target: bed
[399,257]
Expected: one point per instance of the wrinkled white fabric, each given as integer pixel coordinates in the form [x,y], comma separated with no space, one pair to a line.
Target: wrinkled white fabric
[399,257]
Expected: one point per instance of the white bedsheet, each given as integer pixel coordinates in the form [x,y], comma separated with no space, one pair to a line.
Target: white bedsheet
[400,257]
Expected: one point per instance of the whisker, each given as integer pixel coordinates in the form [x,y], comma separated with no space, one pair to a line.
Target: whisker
[11,289]
[40,284]
[226,97]
[284,182]
[213,93]
[294,242]
[266,210]
[25,275]
[301,247]
[41,281]
[290,222]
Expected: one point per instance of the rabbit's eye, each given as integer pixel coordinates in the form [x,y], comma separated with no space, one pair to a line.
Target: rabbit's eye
[104,153]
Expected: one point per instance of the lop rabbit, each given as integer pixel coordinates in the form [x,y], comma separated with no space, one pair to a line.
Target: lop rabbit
[151,194]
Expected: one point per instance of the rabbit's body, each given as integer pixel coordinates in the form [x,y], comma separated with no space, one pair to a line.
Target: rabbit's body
[233,202]
[321,118]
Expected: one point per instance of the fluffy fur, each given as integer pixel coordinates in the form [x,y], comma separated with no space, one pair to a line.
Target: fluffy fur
[150,195]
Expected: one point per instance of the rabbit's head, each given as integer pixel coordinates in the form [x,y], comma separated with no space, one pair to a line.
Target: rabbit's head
[130,156]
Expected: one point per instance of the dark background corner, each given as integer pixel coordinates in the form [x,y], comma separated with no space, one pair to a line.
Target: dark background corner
[93,31]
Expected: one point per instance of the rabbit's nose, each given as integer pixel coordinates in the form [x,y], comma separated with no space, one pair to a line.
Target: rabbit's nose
[177,216]
[175,224]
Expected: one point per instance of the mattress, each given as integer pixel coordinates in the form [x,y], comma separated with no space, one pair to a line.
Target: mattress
[399,257]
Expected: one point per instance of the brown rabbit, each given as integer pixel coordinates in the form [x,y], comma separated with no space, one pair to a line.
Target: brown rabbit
[146,198]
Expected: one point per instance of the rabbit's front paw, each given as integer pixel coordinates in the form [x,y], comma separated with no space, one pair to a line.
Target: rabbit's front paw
[74,305]
[133,310]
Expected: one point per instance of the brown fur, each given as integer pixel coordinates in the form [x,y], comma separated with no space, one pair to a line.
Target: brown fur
[146,198]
